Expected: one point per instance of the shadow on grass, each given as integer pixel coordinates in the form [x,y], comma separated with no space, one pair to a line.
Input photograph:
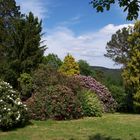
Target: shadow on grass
[102,137]
[16,128]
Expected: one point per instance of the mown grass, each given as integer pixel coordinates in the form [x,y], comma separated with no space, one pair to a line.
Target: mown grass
[108,127]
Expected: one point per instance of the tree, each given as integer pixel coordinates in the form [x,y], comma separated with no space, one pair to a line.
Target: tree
[131,6]
[69,66]
[85,68]
[52,60]
[131,73]
[124,48]
[118,47]
[9,12]
[26,51]
[21,43]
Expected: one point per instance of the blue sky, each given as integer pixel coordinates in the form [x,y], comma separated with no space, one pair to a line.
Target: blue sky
[73,26]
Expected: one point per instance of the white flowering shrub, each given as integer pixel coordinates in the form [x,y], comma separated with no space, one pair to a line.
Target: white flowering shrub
[13,113]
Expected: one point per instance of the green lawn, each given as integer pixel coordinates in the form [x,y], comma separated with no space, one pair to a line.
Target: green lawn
[108,127]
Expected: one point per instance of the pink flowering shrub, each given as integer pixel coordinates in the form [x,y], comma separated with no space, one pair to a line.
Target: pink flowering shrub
[109,104]
[56,102]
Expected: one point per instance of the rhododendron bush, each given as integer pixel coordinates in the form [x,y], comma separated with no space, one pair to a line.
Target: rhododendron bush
[13,112]
[109,104]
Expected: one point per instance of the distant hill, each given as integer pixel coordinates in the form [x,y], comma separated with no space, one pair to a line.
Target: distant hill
[114,74]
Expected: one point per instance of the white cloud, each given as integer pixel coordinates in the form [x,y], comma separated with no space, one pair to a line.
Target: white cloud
[88,46]
[38,7]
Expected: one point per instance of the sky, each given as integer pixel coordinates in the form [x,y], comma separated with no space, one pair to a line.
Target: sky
[74,27]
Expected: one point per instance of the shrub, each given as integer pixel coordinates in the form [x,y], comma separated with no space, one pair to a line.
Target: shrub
[26,85]
[91,104]
[13,112]
[109,104]
[47,76]
[55,102]
[136,102]
[119,95]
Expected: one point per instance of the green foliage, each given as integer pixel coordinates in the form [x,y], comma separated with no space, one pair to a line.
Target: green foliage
[132,7]
[20,45]
[54,94]
[131,72]
[85,68]
[69,66]
[137,102]
[52,60]
[55,102]
[91,104]
[13,112]
[118,93]
[8,12]
[118,47]
[26,84]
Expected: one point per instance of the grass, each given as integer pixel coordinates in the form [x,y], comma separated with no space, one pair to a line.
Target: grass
[108,127]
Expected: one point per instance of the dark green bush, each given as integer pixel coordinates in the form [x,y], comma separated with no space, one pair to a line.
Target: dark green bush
[13,112]
[26,85]
[91,104]
[136,102]
[55,102]
[119,95]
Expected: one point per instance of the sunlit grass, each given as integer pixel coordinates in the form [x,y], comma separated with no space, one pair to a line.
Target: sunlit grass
[115,126]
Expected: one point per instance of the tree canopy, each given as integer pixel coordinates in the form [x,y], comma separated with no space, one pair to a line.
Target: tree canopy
[118,47]
[20,42]
[124,48]
[132,7]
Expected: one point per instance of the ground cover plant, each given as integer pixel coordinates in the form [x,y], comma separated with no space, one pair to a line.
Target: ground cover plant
[114,126]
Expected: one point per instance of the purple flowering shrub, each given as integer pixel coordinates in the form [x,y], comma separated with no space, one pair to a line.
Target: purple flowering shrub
[104,95]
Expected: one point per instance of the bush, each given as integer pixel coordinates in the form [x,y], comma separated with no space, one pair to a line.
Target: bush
[119,95]
[85,68]
[26,85]
[55,102]
[47,76]
[136,102]
[109,104]
[12,113]
[91,104]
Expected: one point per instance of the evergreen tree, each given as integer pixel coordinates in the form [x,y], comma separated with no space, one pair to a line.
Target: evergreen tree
[131,73]
[69,66]
[9,13]
[20,43]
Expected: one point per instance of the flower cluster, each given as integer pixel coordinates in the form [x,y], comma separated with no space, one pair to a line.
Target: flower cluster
[102,92]
[13,112]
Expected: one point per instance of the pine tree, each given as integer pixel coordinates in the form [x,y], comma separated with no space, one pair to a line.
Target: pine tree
[69,66]
[9,12]
[20,42]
